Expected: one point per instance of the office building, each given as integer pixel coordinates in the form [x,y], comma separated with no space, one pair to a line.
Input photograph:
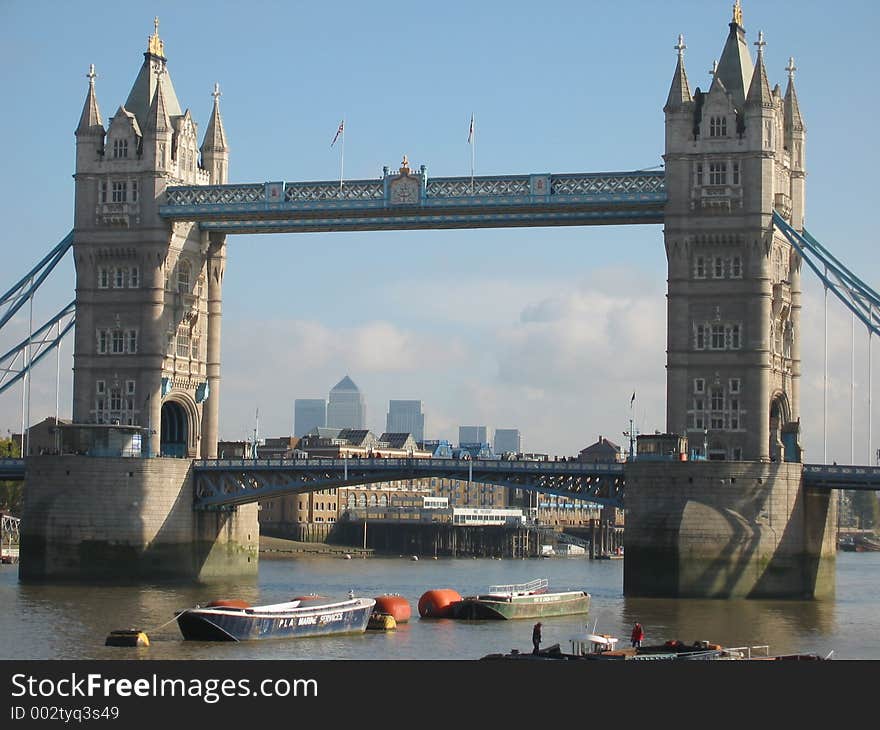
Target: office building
[308,413]
[346,407]
[405,416]
[473,435]
[508,440]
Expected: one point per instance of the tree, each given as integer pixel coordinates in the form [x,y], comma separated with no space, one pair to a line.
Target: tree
[11,492]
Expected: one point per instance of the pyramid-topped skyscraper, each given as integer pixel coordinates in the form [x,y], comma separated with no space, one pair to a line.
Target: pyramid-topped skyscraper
[346,407]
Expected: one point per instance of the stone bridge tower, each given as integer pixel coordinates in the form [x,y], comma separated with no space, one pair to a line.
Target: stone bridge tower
[147,345]
[733,155]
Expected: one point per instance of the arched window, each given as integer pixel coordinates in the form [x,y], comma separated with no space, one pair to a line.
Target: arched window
[362,500]
[373,500]
[383,500]
[184,276]
[350,502]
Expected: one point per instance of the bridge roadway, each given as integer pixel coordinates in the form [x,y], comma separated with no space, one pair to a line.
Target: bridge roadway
[225,483]
[222,483]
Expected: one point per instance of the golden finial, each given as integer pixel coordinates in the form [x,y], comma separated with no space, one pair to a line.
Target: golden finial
[737,13]
[155,45]
[404,166]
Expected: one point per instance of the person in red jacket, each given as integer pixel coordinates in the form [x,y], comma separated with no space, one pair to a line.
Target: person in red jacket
[638,633]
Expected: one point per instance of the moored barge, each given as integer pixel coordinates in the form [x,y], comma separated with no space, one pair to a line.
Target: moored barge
[308,616]
[519,601]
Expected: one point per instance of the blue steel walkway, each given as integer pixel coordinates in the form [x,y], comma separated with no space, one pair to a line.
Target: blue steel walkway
[407,200]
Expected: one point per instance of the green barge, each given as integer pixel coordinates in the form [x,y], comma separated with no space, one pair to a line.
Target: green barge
[524,600]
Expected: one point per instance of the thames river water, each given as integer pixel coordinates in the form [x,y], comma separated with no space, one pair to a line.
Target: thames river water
[72,622]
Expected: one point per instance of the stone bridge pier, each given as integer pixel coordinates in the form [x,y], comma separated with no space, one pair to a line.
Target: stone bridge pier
[707,529]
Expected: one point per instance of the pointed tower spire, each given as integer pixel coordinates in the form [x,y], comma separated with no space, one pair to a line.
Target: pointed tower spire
[679,91]
[215,135]
[759,90]
[144,89]
[157,117]
[90,119]
[735,65]
[793,119]
[215,151]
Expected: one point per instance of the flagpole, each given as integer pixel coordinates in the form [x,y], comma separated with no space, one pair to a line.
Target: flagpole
[342,158]
[473,148]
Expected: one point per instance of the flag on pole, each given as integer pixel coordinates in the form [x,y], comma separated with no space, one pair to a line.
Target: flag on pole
[471,130]
[338,132]
[633,399]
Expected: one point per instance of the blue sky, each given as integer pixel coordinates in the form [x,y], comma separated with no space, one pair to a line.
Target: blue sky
[546,330]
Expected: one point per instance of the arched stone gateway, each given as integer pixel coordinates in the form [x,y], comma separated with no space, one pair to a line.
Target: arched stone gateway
[174,431]
[178,431]
[780,415]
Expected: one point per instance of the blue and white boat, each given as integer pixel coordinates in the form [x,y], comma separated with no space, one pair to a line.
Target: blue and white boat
[308,616]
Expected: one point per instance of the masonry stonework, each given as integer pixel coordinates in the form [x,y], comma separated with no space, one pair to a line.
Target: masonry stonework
[727,530]
[126,519]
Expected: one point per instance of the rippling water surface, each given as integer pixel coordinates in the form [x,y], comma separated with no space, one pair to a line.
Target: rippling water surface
[71,622]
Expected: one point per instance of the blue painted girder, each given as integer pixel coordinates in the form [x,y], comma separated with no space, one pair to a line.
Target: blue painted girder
[410,200]
[225,483]
[824,476]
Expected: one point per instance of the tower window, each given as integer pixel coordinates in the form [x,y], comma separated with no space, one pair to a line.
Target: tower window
[717,402]
[736,267]
[129,387]
[183,343]
[718,268]
[183,277]
[120,148]
[734,337]
[717,342]
[100,387]
[701,337]
[699,385]
[102,192]
[134,191]
[734,385]
[120,192]
[119,278]
[132,341]
[117,340]
[700,268]
[103,277]
[134,277]
[718,173]
[735,171]
[699,174]
[718,127]
[115,399]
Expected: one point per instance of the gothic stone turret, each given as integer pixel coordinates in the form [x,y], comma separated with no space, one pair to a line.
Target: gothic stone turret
[733,155]
[143,349]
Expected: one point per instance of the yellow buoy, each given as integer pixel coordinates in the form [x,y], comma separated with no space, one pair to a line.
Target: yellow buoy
[382,622]
[127,637]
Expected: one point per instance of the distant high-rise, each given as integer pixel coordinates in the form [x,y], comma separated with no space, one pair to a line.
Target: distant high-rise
[473,435]
[307,414]
[405,416]
[346,407]
[508,440]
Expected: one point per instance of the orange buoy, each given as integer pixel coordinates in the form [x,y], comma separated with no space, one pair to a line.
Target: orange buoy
[228,603]
[393,605]
[436,603]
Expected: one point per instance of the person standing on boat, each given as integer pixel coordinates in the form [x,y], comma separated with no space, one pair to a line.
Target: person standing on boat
[638,634]
[536,637]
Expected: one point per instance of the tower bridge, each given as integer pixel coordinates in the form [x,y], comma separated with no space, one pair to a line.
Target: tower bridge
[153,214]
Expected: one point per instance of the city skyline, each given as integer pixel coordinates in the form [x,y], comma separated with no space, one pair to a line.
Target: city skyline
[549,329]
